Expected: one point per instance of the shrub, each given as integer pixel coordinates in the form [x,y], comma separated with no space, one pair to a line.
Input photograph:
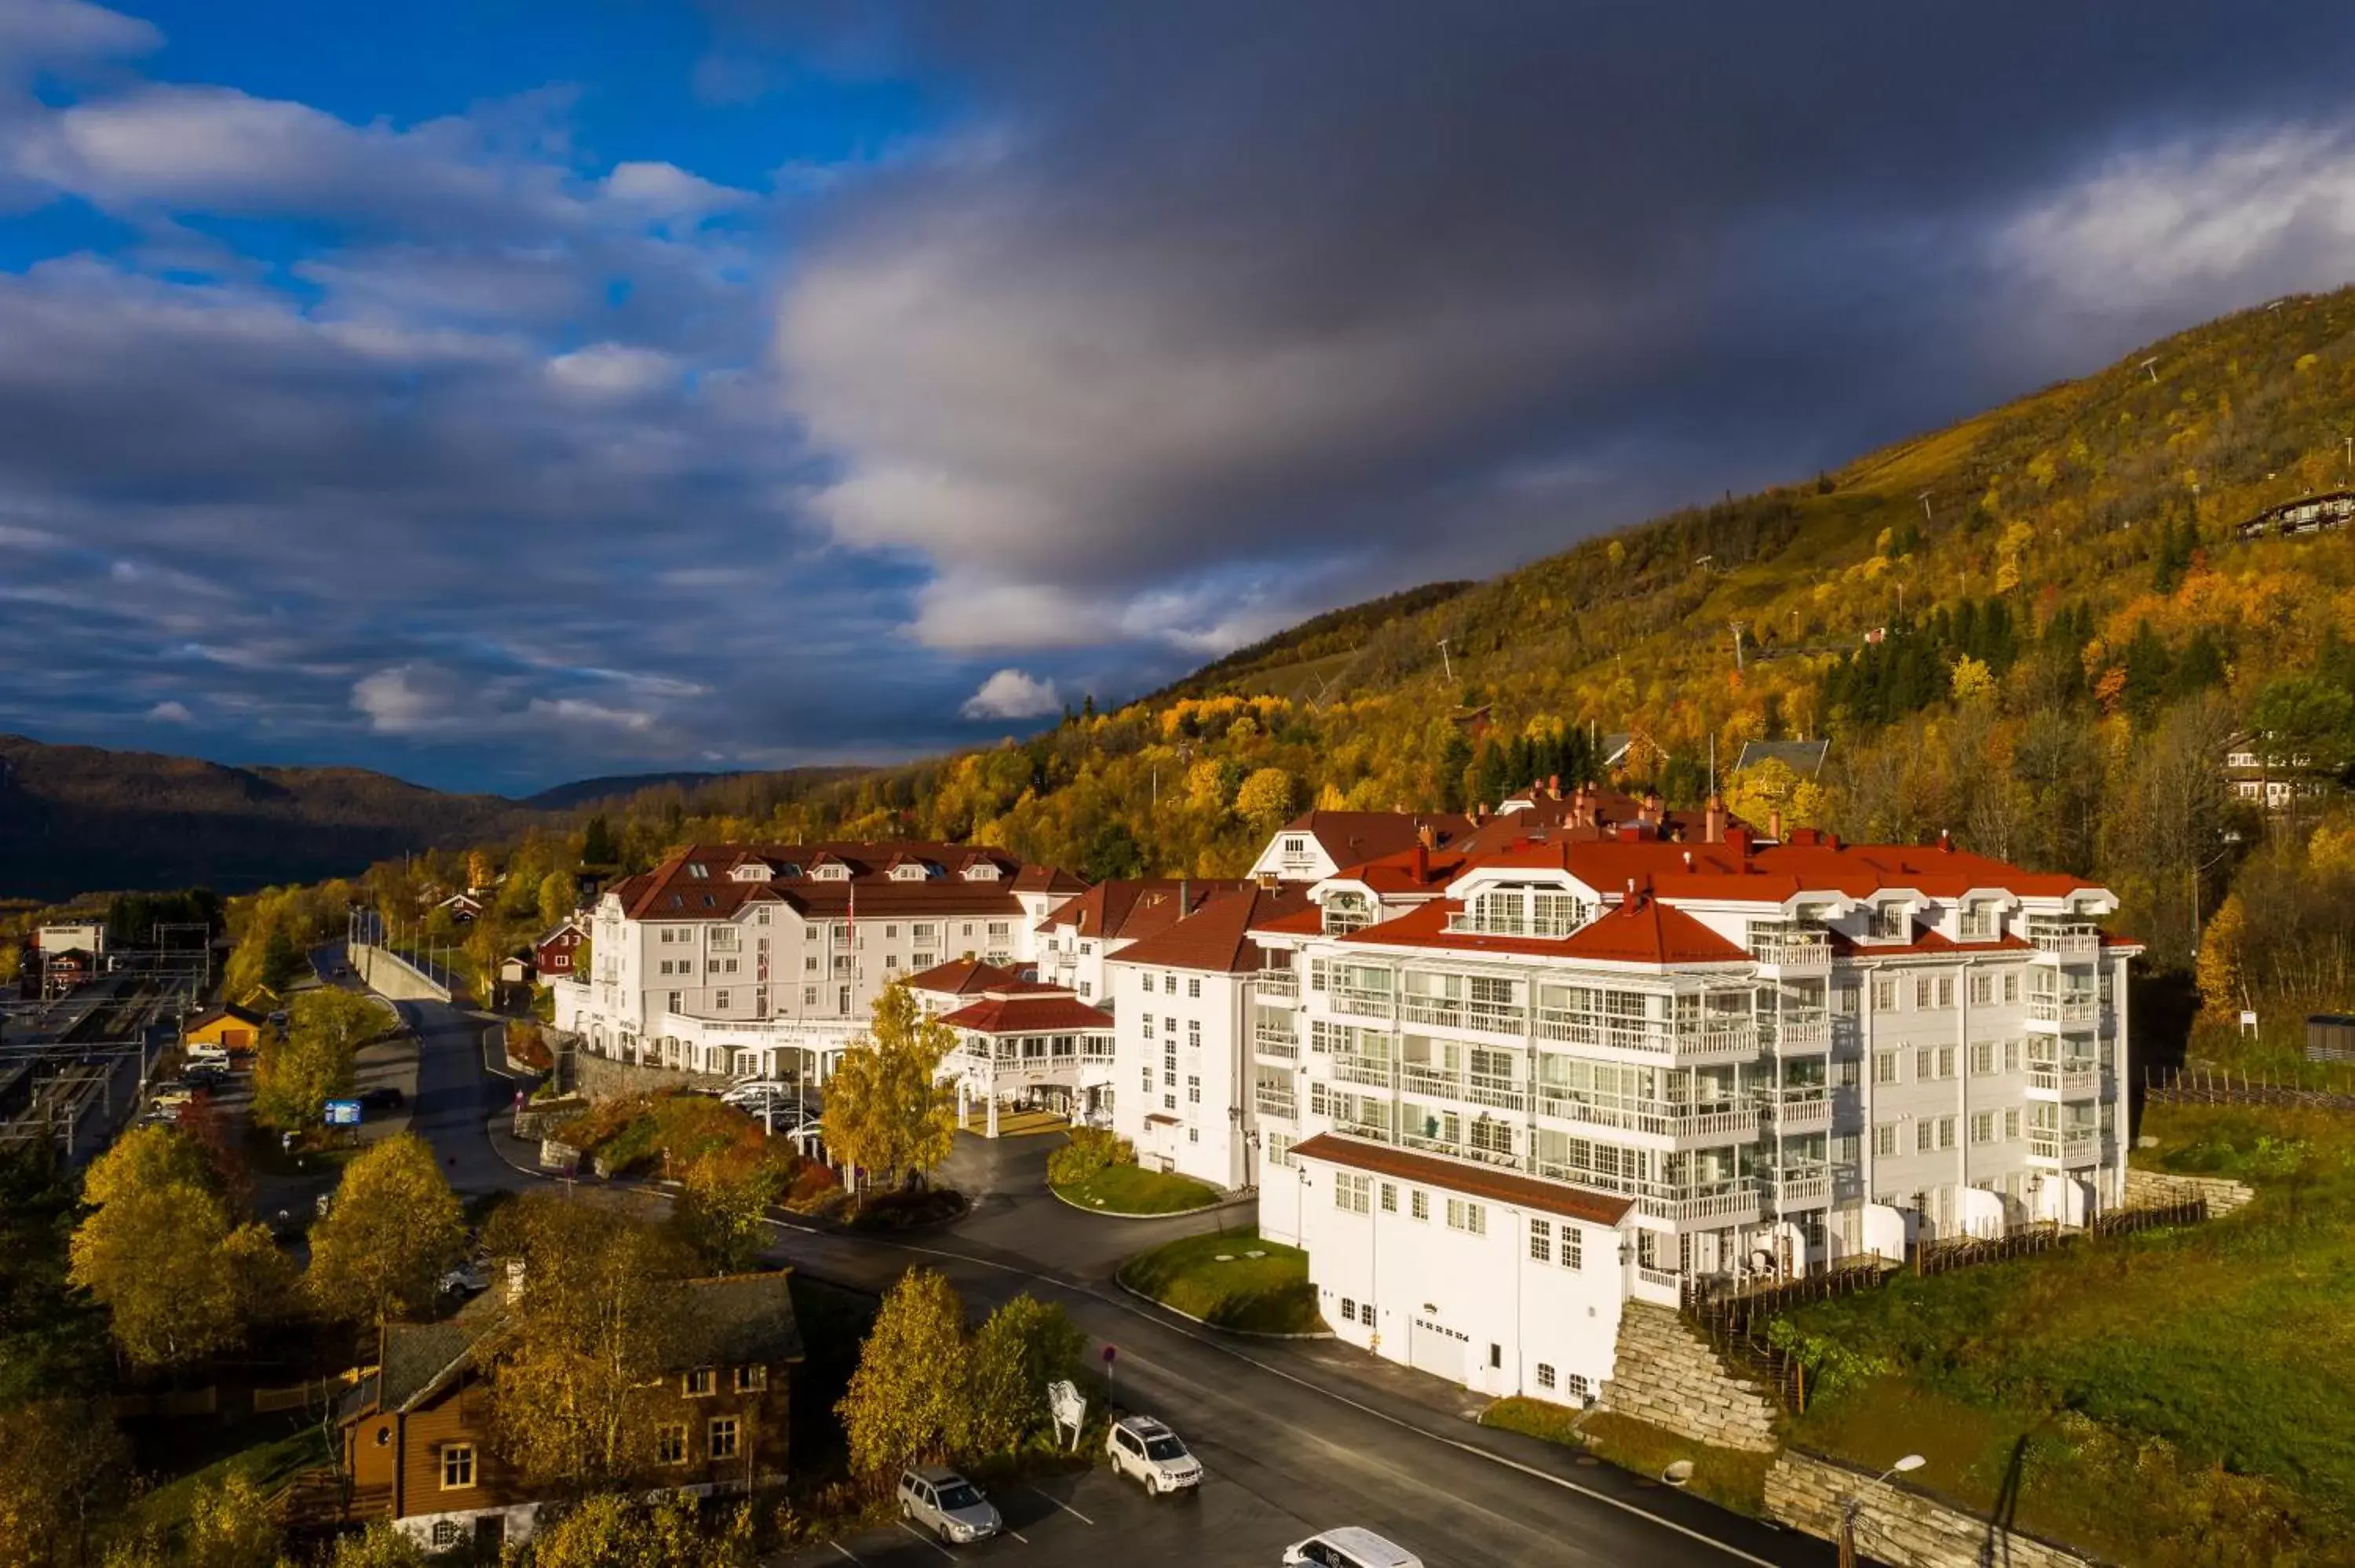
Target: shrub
[1090,1152]
[527,1045]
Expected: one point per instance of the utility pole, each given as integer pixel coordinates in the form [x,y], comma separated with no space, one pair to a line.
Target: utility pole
[1738,665]
[1924,498]
[1449,665]
[2151,367]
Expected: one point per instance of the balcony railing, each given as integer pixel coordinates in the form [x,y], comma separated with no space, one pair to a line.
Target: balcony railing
[2068,942]
[2063,1009]
[2044,1143]
[2045,1075]
[1793,952]
[1798,1109]
[1467,923]
[2081,1146]
[1277,983]
[1267,1102]
[1698,1043]
[1372,1072]
[1789,1185]
[1665,1119]
[1372,1131]
[1500,1094]
[2079,1078]
[1362,1004]
[1273,1034]
[1801,1033]
[1732,1200]
[1448,1010]
[1503,1158]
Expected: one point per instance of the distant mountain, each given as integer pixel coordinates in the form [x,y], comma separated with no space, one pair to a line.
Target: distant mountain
[581,791]
[77,819]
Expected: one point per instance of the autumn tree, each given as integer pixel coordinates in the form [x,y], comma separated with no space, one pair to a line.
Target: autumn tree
[179,1280]
[62,1466]
[557,896]
[394,1227]
[381,1545]
[231,1524]
[581,1363]
[2217,967]
[907,1401]
[1266,800]
[606,1531]
[1024,1346]
[309,1062]
[886,1111]
[722,1208]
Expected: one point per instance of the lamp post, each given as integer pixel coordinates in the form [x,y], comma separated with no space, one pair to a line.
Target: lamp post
[1853,1504]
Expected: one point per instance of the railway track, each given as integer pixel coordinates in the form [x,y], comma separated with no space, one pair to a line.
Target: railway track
[117,1018]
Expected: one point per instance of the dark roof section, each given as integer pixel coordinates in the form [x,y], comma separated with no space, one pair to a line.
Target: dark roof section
[965,977]
[1805,758]
[701,881]
[226,1010]
[1216,936]
[732,1320]
[1058,1013]
[1472,1181]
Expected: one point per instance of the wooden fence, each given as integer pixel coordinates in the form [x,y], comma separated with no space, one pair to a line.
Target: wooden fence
[2224,1087]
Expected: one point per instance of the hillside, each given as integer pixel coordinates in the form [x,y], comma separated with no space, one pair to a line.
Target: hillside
[2036,627]
[76,818]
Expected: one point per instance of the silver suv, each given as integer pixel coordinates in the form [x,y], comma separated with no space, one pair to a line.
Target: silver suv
[1146,1448]
[945,1503]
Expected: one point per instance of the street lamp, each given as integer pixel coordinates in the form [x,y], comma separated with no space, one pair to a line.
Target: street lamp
[1853,1505]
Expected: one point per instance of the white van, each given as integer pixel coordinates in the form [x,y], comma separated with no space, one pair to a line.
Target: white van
[204,1055]
[1349,1547]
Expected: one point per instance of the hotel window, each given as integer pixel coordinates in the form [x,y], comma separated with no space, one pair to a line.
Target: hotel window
[670,1445]
[1885,1068]
[1577,1387]
[2011,985]
[1193,1091]
[1279,1150]
[1978,920]
[1847,1148]
[2011,1125]
[1945,990]
[752,1380]
[1884,1139]
[1983,1058]
[1573,1249]
[1982,990]
[1467,1217]
[1194,1032]
[1542,1241]
[1349,1193]
[1921,993]
[1148,1079]
[1545,1374]
[1418,1204]
[676,997]
[1348,1309]
[809,996]
[1945,1132]
[698,1382]
[458,1465]
[1390,1198]
[1193,985]
[720,1000]
[1884,996]
[1148,1026]
[1925,1135]
[890,933]
[1983,1126]
[719,1440]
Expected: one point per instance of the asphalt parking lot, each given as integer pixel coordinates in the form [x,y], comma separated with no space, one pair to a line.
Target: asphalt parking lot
[1064,1521]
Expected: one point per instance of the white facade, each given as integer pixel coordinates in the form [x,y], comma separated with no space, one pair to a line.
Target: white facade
[1776,1058]
[1178,1072]
[763,964]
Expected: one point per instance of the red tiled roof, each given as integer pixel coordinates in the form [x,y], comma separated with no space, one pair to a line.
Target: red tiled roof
[1028,1016]
[1472,1181]
[1733,871]
[1352,838]
[1306,922]
[965,977]
[1639,931]
[1218,935]
[1925,943]
[1570,819]
[1136,907]
[1408,872]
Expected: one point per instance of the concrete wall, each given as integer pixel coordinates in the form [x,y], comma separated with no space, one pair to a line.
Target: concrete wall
[2154,1188]
[1668,1374]
[388,975]
[602,1077]
[1902,1528]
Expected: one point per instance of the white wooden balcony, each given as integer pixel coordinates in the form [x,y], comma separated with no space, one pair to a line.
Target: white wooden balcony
[2071,943]
[1359,1004]
[1277,985]
[1795,952]
[1799,1035]
[1370,1072]
[1694,1045]
[1798,1109]
[1795,1186]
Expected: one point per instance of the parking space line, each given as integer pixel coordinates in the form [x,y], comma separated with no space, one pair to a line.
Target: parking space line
[928,1540]
[1018,1535]
[1067,1507]
[838,1546]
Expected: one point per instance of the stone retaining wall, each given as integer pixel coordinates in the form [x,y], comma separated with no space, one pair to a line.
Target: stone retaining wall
[2149,1189]
[1668,1374]
[602,1077]
[1900,1527]
[537,1119]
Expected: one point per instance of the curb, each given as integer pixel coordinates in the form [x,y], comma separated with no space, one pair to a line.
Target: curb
[1214,1328]
[1124,1214]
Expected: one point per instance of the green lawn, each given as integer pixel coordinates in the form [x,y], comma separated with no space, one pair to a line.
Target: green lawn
[1724,1476]
[271,1450]
[1265,1295]
[1133,1190]
[2167,1398]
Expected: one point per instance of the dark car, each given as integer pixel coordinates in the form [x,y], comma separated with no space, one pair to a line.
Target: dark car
[384,1097]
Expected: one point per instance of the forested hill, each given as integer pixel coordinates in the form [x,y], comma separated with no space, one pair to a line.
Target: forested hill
[76,818]
[2036,627]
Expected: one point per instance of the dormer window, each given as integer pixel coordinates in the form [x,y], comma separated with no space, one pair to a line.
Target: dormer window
[909,871]
[1977,921]
[697,870]
[833,871]
[1887,922]
[1345,912]
[750,871]
[980,871]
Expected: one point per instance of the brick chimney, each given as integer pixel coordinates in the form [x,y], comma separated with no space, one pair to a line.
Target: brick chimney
[1422,864]
[1712,821]
[1427,836]
[1774,824]
[1652,804]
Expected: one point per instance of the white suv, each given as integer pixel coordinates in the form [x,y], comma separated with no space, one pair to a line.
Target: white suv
[1349,1547]
[1146,1448]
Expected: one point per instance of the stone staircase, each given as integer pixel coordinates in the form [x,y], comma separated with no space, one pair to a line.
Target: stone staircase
[1666,1374]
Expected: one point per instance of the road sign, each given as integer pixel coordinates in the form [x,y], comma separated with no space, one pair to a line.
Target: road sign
[343,1113]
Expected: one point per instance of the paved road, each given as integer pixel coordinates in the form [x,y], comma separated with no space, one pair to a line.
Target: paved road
[1296,1440]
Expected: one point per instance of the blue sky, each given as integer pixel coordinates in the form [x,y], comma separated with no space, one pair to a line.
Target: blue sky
[500,393]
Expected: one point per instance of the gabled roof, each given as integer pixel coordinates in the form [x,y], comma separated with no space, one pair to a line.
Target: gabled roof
[1038,1015]
[1134,908]
[1474,1181]
[1354,837]
[672,891]
[226,1010]
[1217,937]
[571,923]
[737,1319]
[1643,930]
[965,977]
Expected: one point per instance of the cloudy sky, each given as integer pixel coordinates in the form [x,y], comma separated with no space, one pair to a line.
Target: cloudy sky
[499,391]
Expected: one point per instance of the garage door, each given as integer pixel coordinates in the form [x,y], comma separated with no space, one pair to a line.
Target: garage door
[1437,1350]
